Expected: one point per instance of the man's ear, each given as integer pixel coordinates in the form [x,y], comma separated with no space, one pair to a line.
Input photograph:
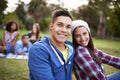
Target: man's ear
[50,26]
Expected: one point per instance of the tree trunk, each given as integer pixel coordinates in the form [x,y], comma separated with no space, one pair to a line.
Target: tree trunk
[102,26]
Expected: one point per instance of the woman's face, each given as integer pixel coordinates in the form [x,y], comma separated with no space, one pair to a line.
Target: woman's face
[13,27]
[81,36]
[34,29]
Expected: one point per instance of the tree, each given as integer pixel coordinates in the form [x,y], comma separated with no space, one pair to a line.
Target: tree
[13,16]
[24,16]
[113,28]
[88,14]
[103,6]
[37,8]
[20,12]
[3,5]
[41,12]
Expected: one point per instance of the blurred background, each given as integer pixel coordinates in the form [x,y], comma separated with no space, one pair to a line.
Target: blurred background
[103,16]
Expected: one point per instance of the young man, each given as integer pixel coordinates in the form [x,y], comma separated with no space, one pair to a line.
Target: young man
[23,46]
[52,58]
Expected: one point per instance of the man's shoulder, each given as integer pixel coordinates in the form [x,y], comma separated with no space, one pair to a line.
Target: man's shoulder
[69,43]
[42,42]
[19,42]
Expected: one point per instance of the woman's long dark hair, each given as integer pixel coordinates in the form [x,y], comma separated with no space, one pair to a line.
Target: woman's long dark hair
[90,47]
[38,30]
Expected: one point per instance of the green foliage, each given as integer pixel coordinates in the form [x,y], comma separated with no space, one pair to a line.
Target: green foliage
[13,16]
[1,33]
[45,24]
[10,16]
[114,23]
[40,12]
[97,12]
[3,5]
[25,21]
[89,14]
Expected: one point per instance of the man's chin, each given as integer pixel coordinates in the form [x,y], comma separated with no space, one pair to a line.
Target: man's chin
[62,41]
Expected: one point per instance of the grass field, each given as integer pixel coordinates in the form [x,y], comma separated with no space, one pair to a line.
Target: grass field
[11,69]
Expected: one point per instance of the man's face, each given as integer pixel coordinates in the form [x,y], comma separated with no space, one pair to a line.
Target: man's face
[25,40]
[61,29]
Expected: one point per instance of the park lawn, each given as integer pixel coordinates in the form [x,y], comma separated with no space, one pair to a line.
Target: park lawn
[13,69]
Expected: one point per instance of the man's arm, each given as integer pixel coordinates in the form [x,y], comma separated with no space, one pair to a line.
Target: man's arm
[39,64]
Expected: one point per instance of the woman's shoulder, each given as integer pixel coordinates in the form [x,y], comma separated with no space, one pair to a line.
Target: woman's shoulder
[16,33]
[82,49]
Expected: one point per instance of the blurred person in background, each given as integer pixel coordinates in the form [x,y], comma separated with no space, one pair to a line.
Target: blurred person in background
[34,35]
[10,36]
[23,46]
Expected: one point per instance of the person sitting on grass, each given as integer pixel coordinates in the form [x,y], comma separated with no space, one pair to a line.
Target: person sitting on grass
[23,46]
[10,36]
[2,47]
[34,35]
[88,60]
[52,57]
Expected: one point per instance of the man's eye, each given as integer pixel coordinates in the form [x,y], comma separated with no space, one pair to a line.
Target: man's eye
[59,25]
[69,26]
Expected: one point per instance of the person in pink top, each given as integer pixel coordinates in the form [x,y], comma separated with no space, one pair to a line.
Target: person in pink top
[10,36]
[88,60]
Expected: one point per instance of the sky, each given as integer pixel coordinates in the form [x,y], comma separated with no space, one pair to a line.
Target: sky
[13,4]
[69,4]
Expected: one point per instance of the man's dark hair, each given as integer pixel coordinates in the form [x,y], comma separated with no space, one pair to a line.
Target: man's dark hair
[60,12]
[23,36]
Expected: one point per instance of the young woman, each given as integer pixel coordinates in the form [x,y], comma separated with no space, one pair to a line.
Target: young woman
[10,36]
[88,60]
[34,35]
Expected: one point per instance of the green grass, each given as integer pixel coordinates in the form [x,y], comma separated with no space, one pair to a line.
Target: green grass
[13,69]
[109,47]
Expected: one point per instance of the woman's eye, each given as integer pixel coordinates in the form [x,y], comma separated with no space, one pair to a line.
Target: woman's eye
[85,33]
[77,36]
